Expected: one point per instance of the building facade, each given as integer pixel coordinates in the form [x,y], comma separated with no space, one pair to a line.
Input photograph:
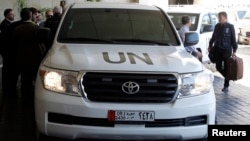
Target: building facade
[44,4]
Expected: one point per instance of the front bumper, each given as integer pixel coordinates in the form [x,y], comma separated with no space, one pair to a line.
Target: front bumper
[47,102]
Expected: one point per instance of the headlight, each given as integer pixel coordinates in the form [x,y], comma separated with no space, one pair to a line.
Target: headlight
[196,84]
[60,81]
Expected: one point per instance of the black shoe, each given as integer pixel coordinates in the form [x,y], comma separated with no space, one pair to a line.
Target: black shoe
[225,89]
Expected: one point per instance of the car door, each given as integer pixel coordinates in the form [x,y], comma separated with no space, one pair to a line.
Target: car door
[208,22]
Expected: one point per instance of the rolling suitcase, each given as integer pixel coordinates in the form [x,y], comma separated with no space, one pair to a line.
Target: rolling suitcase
[234,68]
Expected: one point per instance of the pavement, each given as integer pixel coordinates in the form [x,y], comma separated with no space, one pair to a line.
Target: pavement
[233,107]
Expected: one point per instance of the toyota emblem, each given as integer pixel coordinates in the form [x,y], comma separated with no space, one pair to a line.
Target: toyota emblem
[130,87]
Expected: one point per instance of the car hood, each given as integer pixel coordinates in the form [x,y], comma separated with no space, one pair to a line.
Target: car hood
[130,58]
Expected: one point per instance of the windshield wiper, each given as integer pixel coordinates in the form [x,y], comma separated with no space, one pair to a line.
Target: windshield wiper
[113,41]
[91,40]
[140,41]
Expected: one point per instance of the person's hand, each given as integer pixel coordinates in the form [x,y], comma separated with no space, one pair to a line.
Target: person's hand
[209,48]
[234,54]
[199,54]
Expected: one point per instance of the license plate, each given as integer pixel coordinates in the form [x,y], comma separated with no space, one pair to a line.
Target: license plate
[131,115]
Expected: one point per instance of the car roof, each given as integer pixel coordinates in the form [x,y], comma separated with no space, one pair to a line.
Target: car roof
[113,5]
[181,11]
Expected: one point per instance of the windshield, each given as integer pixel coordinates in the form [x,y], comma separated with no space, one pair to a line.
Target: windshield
[176,19]
[117,26]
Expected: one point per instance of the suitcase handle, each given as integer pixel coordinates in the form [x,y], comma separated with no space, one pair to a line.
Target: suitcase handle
[233,56]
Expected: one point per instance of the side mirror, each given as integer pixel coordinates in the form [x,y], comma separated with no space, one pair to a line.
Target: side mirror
[43,35]
[191,39]
[208,28]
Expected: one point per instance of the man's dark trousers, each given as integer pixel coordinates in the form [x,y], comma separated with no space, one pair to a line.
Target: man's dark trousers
[222,56]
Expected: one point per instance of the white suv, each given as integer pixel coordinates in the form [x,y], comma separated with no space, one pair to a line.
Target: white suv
[203,22]
[120,71]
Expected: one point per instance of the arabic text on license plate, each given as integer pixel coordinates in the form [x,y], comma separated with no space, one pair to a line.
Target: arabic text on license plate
[134,116]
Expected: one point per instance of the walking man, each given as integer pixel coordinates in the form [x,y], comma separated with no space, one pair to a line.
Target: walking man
[224,40]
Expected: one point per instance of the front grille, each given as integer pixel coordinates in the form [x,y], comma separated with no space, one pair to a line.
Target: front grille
[107,87]
[190,121]
[103,122]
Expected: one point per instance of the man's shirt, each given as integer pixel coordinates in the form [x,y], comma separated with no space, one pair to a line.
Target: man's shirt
[182,32]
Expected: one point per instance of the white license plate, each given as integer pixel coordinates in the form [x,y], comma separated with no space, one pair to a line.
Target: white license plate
[134,115]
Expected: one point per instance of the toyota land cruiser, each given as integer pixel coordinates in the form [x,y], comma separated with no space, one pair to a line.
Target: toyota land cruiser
[120,72]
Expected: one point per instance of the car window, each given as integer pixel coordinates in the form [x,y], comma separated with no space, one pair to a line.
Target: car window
[241,14]
[176,19]
[116,24]
[214,19]
[206,19]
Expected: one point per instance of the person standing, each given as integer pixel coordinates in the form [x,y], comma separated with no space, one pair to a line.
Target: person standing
[5,37]
[5,27]
[40,22]
[186,22]
[35,15]
[48,14]
[25,37]
[224,41]
[5,24]
[63,4]
[53,23]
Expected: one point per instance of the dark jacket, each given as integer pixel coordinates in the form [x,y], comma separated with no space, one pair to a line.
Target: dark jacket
[25,38]
[52,24]
[5,35]
[4,26]
[224,38]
